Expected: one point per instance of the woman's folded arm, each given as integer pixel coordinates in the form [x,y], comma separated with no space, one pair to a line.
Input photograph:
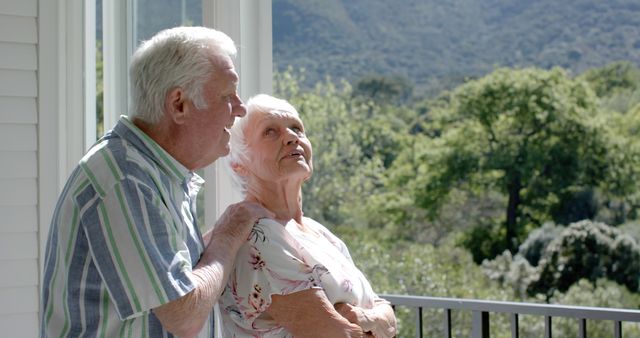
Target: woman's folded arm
[309,314]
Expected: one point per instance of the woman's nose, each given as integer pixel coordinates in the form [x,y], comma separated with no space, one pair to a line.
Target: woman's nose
[290,136]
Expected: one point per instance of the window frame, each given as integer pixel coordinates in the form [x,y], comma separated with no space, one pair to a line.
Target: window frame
[248,23]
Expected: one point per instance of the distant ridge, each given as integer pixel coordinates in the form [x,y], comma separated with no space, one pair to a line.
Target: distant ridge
[434,43]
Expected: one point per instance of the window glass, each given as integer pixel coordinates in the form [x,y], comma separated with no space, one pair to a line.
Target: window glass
[152,16]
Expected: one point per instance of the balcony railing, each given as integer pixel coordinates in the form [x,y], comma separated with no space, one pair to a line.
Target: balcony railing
[480,311]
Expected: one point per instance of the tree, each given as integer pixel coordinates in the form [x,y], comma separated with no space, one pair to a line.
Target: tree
[617,76]
[384,89]
[617,85]
[529,133]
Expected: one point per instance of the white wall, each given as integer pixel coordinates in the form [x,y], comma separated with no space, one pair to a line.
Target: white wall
[19,246]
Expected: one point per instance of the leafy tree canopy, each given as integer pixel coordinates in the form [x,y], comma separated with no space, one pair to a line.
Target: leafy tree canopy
[530,133]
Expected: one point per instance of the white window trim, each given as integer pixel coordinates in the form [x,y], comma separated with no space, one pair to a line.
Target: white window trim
[49,43]
[61,101]
[117,48]
[248,23]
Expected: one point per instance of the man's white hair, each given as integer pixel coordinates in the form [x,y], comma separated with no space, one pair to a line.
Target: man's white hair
[177,57]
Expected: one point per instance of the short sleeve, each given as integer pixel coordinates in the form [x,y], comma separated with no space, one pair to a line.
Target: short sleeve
[333,239]
[269,263]
[143,252]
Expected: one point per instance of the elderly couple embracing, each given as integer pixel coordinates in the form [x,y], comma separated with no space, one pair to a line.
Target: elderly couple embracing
[125,254]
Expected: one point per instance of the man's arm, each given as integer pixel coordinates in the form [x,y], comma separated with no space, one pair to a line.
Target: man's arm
[186,316]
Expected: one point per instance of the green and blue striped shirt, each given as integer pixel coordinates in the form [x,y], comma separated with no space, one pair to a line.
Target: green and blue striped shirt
[123,240]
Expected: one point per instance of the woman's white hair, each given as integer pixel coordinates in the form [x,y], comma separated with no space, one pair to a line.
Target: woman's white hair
[177,57]
[239,149]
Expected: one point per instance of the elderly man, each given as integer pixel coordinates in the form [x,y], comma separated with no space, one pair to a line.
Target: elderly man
[125,256]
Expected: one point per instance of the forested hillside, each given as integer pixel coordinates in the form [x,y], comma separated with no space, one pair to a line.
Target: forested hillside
[436,43]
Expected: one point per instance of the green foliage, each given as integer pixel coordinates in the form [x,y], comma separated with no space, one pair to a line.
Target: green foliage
[618,87]
[601,293]
[553,259]
[390,179]
[531,134]
[513,273]
[383,89]
[407,268]
[632,229]
[482,241]
[612,78]
[537,241]
[401,267]
[588,250]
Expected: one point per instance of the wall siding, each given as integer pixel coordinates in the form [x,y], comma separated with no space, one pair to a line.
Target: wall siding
[18,110]
[18,56]
[19,245]
[21,324]
[18,29]
[18,218]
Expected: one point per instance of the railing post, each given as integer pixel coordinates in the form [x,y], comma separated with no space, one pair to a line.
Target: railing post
[447,323]
[419,322]
[582,328]
[617,329]
[515,332]
[480,325]
[547,327]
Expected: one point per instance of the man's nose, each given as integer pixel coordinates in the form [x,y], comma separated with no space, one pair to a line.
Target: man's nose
[238,108]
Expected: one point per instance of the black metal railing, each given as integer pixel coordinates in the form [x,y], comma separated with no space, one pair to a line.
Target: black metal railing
[481,309]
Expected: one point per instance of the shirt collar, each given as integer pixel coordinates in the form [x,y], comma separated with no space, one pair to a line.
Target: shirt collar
[132,134]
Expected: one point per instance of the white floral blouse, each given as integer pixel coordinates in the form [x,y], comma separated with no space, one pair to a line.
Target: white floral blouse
[281,260]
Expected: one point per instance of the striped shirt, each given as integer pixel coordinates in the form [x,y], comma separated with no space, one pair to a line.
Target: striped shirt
[123,240]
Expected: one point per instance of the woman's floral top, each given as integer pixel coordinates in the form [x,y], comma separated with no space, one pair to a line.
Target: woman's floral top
[279,259]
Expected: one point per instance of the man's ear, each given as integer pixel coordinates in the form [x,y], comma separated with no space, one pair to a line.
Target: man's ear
[175,103]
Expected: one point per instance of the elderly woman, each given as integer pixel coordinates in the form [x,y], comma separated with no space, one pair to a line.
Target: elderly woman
[293,277]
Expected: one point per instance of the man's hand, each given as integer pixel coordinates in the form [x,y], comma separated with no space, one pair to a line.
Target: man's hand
[185,316]
[236,222]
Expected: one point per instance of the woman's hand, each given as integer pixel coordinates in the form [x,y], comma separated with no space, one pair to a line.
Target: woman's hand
[379,322]
[309,314]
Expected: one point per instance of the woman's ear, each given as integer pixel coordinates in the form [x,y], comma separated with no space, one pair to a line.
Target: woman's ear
[239,169]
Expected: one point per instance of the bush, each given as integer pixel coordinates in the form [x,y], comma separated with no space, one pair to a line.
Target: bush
[537,241]
[588,250]
[484,242]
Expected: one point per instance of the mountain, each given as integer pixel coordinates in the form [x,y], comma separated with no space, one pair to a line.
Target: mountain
[436,43]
